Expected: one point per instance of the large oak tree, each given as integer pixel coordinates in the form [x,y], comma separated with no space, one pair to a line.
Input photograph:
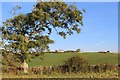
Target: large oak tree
[25,32]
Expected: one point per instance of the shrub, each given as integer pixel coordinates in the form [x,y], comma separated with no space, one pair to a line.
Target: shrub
[75,64]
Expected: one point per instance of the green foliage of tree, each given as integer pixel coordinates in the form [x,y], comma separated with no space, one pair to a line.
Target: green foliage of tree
[25,32]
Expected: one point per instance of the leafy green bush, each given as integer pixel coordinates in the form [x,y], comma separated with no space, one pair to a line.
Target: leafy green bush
[75,64]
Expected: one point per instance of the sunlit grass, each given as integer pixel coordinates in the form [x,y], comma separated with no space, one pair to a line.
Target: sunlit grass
[51,59]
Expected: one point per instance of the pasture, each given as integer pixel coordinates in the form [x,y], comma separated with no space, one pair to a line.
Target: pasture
[51,59]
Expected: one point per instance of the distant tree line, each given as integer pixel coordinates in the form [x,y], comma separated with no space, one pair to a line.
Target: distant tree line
[104,52]
[62,51]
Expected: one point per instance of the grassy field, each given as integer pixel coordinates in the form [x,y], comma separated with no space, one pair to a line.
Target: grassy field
[51,59]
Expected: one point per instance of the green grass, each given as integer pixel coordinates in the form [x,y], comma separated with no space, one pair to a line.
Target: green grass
[51,59]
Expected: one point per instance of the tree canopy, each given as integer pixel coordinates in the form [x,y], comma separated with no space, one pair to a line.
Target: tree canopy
[26,31]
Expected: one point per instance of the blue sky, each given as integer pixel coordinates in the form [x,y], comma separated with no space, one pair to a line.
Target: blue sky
[100,30]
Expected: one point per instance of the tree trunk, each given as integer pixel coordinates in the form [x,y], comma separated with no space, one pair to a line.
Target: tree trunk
[25,67]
